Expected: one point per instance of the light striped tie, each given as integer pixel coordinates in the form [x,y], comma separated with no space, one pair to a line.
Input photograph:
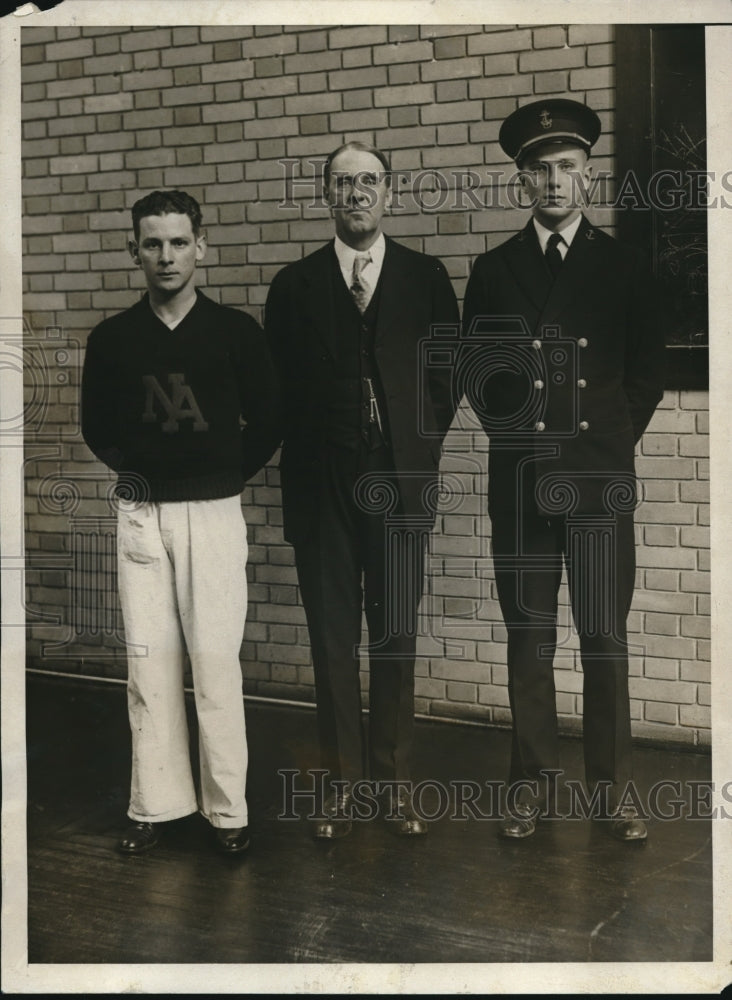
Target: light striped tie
[359,289]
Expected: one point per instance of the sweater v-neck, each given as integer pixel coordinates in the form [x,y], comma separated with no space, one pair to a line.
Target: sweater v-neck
[182,321]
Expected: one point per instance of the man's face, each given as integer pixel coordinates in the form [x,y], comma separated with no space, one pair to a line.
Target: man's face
[553,176]
[167,251]
[358,193]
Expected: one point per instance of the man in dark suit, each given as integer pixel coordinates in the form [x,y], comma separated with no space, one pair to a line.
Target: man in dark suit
[364,428]
[562,361]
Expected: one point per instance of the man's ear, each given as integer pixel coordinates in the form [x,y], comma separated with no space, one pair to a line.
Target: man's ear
[134,250]
[201,246]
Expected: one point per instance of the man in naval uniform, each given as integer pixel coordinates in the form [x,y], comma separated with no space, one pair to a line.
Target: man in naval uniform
[364,423]
[562,362]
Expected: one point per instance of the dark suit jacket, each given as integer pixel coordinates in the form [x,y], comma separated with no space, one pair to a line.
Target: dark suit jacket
[415,292]
[581,358]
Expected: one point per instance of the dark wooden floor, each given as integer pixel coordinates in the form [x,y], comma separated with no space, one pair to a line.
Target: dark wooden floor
[570,894]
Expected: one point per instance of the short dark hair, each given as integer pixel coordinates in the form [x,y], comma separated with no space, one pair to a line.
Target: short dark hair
[164,203]
[531,151]
[364,148]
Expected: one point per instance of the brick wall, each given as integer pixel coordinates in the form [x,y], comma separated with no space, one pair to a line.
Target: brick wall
[109,113]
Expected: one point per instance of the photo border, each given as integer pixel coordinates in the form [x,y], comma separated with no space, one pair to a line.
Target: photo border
[21,977]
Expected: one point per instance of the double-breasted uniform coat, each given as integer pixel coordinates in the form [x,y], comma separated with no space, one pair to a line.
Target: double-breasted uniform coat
[564,375]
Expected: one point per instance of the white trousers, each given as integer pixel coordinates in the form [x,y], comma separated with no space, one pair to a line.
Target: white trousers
[183,585]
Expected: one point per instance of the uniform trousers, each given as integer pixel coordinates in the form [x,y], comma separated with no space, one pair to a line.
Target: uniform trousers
[183,586]
[357,559]
[599,555]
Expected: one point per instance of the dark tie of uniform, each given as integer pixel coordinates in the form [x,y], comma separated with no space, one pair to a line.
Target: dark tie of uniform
[553,254]
[358,288]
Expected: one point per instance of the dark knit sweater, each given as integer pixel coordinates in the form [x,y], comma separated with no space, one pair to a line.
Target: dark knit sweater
[183,414]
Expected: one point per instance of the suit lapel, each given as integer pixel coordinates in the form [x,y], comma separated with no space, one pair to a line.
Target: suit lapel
[527,264]
[319,297]
[574,274]
[395,307]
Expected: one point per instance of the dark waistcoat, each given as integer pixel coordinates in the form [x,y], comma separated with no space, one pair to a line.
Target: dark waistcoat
[352,413]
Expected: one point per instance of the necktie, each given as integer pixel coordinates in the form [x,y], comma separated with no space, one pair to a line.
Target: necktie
[552,254]
[359,289]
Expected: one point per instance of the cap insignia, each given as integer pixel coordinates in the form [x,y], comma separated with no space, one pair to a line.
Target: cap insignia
[545,119]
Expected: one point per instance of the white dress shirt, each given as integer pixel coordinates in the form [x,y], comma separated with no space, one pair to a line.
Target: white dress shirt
[370,274]
[567,235]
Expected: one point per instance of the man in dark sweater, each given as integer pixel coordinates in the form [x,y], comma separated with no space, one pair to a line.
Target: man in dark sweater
[180,399]
[364,425]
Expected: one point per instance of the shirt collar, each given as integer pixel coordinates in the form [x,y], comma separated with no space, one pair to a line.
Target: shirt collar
[346,255]
[567,234]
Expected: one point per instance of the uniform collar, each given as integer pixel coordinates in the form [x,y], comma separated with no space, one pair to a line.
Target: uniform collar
[567,234]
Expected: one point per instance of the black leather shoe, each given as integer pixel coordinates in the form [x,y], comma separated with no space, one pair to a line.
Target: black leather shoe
[138,838]
[520,823]
[627,827]
[232,841]
[400,817]
[337,821]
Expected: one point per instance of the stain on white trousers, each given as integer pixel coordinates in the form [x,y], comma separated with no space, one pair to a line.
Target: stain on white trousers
[183,586]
